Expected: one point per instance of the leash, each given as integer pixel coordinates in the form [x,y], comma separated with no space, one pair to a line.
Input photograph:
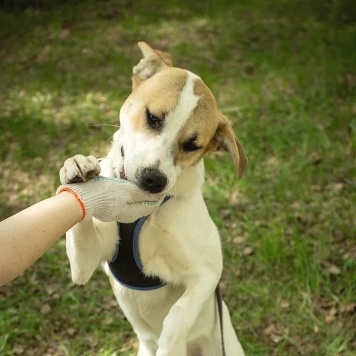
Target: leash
[220,311]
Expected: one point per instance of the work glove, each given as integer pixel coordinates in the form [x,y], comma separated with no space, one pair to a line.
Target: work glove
[112,199]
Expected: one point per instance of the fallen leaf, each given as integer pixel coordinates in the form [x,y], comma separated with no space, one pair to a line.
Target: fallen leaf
[234,197]
[45,309]
[285,304]
[329,319]
[276,338]
[336,186]
[348,308]
[273,332]
[64,34]
[71,331]
[18,350]
[333,311]
[225,213]
[334,270]
[238,240]
[237,273]
[269,330]
[248,251]
[331,268]
[315,158]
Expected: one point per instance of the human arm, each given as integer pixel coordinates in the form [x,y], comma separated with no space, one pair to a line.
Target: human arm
[25,236]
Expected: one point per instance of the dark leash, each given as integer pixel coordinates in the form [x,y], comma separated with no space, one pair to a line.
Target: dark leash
[220,311]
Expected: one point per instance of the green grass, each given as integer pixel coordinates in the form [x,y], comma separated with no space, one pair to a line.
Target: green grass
[284,71]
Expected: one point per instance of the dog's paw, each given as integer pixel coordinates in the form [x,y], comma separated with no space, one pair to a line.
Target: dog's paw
[79,169]
[80,277]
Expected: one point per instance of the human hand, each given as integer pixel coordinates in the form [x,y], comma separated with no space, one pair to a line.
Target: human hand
[112,199]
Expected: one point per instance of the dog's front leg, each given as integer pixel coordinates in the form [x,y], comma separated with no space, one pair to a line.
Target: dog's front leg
[183,314]
[88,245]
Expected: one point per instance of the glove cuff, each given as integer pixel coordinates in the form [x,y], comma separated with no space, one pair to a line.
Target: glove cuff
[66,188]
[93,196]
[88,196]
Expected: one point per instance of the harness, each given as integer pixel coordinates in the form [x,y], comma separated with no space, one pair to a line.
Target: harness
[126,265]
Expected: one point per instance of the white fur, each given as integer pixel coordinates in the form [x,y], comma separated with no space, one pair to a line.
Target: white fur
[179,243]
[143,149]
[186,307]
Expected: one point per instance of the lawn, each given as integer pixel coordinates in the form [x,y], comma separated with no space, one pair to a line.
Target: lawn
[284,71]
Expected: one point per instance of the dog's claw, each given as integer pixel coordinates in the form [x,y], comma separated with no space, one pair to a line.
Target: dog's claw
[91,174]
[76,180]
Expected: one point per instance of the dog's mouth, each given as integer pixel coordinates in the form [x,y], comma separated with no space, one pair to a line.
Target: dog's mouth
[122,170]
[150,179]
[122,173]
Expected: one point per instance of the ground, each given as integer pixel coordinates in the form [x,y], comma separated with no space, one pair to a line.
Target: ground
[283,71]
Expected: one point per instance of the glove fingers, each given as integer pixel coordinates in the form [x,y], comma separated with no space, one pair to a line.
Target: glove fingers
[132,192]
[137,210]
[137,195]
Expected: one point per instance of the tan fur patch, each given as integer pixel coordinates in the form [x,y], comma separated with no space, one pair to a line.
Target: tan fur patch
[203,123]
[160,94]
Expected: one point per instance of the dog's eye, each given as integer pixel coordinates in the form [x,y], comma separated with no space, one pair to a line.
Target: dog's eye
[190,145]
[153,121]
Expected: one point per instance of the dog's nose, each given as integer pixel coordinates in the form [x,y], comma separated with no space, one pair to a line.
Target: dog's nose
[152,180]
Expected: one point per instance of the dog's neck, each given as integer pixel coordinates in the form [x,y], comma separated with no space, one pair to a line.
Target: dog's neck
[190,180]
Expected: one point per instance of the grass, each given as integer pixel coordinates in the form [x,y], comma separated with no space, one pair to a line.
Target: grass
[284,71]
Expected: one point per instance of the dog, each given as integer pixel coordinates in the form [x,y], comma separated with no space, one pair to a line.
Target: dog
[167,124]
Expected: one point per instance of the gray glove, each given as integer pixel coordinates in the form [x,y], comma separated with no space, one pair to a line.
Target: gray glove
[110,199]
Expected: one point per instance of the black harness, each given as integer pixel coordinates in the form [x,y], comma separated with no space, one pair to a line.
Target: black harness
[126,265]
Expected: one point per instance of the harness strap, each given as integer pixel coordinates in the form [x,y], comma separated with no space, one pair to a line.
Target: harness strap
[220,311]
[126,266]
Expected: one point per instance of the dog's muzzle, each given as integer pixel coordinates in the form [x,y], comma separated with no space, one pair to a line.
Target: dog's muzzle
[152,180]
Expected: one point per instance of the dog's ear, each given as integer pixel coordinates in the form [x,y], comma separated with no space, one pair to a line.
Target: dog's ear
[152,62]
[226,141]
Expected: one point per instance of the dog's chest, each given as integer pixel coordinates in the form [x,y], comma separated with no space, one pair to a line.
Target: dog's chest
[126,266]
[176,241]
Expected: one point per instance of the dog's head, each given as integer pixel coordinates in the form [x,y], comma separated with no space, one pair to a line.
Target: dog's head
[167,124]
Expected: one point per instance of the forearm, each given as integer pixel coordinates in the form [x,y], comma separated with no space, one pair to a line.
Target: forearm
[25,236]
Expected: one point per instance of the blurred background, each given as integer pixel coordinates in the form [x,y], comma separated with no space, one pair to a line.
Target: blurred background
[283,71]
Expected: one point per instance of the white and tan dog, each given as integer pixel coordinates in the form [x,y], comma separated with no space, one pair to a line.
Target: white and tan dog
[167,124]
